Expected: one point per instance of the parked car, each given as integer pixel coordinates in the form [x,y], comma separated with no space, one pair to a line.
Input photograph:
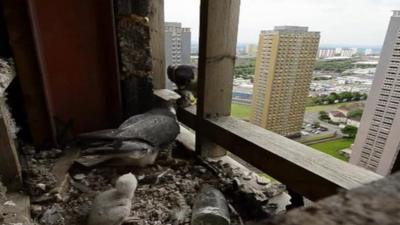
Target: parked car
[323,129]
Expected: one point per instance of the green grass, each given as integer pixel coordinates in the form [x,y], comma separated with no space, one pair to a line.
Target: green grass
[332,147]
[329,107]
[315,137]
[241,111]
[318,108]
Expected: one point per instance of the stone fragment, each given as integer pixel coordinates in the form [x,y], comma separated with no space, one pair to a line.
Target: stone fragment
[79,176]
[262,180]
[53,216]
[9,203]
[41,186]
[80,186]
[36,209]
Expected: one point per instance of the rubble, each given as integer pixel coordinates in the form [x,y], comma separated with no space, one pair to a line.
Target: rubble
[38,177]
[53,216]
[36,210]
[7,73]
[165,194]
[251,190]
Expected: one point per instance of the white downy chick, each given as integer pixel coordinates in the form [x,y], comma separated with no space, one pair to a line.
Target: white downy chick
[113,206]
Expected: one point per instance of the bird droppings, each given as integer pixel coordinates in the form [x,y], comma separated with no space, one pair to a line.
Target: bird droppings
[9,203]
[79,176]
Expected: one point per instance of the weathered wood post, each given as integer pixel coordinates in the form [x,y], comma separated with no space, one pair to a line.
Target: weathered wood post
[217,51]
[156,20]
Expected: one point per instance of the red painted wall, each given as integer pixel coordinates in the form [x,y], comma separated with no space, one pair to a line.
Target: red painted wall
[75,41]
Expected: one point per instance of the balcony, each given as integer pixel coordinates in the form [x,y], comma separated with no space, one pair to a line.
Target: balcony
[304,171]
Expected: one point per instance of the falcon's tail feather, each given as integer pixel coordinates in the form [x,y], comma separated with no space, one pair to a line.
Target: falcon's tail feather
[108,134]
[100,150]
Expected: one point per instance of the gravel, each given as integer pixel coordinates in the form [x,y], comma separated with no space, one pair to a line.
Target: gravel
[165,193]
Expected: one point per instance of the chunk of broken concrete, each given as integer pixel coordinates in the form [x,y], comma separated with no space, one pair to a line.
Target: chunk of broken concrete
[113,206]
[79,176]
[53,216]
[210,208]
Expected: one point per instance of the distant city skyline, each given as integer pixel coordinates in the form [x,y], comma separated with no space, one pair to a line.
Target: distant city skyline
[356,23]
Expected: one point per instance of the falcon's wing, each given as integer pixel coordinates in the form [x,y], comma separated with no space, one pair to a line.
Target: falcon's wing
[154,128]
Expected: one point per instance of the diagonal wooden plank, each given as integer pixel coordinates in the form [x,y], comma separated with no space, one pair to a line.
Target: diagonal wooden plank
[306,171]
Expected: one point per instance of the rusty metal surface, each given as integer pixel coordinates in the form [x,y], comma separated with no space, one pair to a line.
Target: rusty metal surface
[76,47]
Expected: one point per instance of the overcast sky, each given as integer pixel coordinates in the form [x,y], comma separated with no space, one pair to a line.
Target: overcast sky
[341,22]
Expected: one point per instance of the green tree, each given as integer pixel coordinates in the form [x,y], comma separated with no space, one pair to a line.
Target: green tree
[244,70]
[330,98]
[355,113]
[323,115]
[363,96]
[345,95]
[317,100]
[338,66]
[356,96]
[350,131]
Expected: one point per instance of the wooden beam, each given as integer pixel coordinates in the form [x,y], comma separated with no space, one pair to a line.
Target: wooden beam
[376,203]
[60,171]
[188,116]
[305,170]
[218,34]
[156,20]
